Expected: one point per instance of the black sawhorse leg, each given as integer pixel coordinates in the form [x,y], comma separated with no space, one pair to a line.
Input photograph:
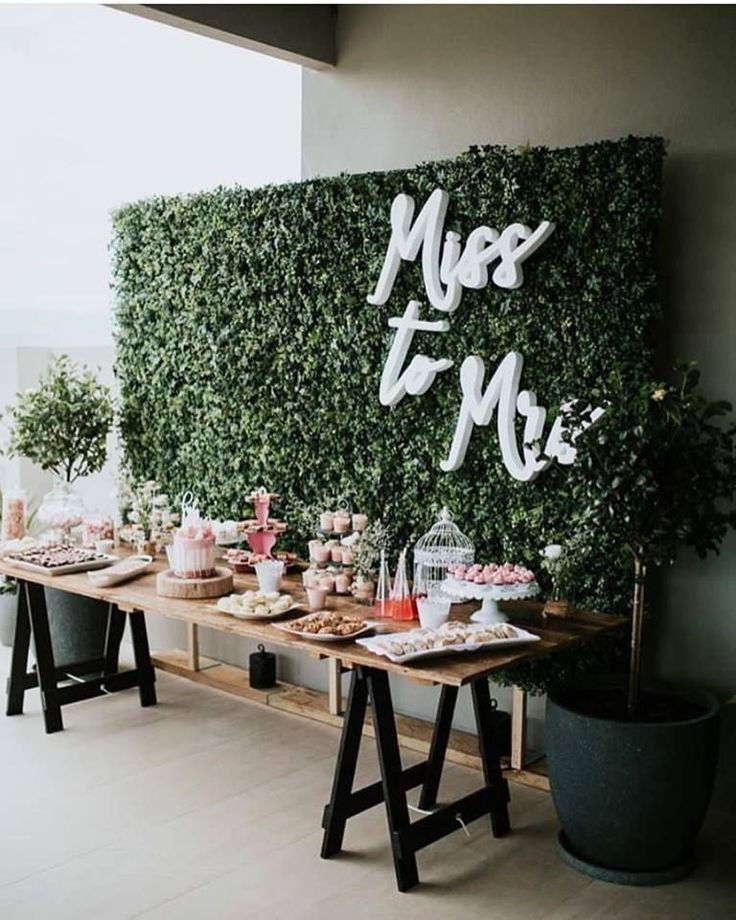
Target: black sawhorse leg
[408,838]
[33,624]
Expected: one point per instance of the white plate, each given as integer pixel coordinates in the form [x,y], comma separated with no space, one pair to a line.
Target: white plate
[123,571]
[258,616]
[322,637]
[374,644]
[65,569]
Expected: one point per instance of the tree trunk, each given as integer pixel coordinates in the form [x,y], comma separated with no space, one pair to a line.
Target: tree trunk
[637,622]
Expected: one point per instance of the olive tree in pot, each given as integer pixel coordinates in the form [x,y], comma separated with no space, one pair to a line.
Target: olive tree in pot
[62,425]
[632,768]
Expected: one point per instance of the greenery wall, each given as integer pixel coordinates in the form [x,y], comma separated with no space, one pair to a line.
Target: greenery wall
[247,353]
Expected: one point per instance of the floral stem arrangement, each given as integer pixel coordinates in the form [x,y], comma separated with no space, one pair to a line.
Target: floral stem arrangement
[367,551]
[146,511]
[658,471]
[63,423]
[556,562]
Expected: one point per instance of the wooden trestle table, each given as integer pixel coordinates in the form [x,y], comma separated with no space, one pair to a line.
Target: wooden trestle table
[60,686]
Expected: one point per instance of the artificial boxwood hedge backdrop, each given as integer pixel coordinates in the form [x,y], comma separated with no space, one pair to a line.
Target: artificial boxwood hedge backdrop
[247,353]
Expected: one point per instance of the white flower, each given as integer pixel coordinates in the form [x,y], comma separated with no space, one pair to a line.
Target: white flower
[553,551]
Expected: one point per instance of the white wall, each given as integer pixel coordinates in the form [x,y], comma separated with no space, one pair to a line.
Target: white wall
[417,83]
[100,108]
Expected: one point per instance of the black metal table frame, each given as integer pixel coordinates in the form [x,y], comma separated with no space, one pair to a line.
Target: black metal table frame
[33,624]
[407,837]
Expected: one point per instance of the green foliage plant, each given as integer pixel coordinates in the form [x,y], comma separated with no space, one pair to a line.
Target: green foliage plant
[63,423]
[657,472]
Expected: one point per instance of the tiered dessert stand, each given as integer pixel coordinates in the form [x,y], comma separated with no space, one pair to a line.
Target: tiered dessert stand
[262,538]
[490,595]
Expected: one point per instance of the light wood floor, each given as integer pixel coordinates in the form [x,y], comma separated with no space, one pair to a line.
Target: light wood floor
[208,806]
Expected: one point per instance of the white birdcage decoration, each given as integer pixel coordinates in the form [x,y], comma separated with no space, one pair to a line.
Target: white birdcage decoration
[442,546]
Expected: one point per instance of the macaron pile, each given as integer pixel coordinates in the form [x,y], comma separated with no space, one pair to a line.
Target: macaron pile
[491,574]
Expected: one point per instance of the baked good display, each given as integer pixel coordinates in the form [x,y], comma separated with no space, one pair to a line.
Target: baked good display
[490,583]
[332,554]
[505,575]
[55,558]
[192,554]
[452,637]
[327,625]
[55,555]
[254,605]
[243,560]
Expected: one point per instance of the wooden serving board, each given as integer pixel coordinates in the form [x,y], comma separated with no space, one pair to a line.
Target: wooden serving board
[168,585]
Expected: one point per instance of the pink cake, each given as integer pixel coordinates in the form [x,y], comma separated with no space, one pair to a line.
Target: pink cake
[193,552]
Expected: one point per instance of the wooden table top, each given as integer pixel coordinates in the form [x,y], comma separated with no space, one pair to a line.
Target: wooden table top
[453,670]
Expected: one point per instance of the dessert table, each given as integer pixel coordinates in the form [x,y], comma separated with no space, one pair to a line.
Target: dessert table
[369,686]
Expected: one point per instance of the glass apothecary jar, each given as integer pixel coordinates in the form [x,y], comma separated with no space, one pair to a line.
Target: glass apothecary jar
[62,509]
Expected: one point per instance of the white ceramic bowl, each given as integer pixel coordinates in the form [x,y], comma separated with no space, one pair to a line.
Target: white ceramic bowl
[433,612]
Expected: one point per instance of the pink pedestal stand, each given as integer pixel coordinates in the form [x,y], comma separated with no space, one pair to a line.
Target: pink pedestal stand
[263,541]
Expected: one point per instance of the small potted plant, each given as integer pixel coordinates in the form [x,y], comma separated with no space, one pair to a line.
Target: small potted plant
[631,767]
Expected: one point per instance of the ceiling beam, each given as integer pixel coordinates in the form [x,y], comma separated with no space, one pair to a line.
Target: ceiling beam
[302,34]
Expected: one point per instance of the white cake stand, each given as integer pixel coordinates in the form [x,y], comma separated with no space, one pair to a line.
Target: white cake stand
[488,613]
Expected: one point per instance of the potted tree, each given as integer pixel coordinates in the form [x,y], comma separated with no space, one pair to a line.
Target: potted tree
[632,767]
[62,425]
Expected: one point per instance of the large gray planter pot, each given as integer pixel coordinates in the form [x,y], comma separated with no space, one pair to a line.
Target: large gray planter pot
[78,626]
[631,796]
[8,616]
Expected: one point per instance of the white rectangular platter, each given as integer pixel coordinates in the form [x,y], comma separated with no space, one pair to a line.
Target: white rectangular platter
[378,645]
[124,571]
[64,569]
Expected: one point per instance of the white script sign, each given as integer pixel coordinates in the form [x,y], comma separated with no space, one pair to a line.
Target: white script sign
[447,268]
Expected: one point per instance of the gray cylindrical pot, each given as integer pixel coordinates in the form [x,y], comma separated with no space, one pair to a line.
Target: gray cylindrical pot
[78,626]
[631,796]
[8,616]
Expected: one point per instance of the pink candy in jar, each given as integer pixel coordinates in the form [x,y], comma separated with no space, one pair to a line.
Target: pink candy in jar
[13,515]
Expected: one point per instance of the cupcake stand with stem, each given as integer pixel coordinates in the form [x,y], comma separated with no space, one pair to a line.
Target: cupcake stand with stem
[262,538]
[488,612]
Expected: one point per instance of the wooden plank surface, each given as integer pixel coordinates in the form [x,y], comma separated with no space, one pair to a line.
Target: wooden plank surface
[140,594]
